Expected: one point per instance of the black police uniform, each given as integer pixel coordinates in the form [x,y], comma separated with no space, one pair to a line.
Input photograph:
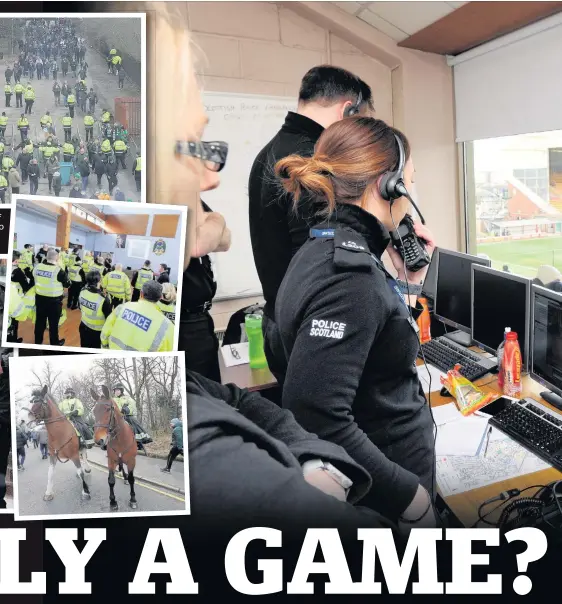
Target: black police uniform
[49,309]
[350,348]
[277,232]
[197,328]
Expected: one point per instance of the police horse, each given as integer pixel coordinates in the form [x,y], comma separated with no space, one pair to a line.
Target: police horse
[63,442]
[111,431]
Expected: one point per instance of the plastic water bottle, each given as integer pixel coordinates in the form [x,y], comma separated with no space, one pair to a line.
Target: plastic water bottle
[255,340]
[512,366]
[500,358]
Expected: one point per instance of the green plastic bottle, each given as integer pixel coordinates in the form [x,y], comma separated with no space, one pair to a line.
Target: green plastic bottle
[255,341]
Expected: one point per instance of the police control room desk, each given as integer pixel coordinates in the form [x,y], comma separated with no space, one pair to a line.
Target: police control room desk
[465,505]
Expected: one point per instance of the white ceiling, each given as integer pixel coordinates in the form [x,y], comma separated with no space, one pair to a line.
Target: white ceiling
[399,20]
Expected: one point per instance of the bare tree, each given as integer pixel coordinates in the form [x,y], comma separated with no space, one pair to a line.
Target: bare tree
[48,376]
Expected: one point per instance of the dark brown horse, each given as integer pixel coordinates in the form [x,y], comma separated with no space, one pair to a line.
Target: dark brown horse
[63,441]
[111,430]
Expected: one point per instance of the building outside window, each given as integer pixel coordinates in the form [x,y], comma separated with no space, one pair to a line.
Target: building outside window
[514,202]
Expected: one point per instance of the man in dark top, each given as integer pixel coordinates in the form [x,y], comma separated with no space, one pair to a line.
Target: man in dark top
[327,95]
[197,329]
[42,254]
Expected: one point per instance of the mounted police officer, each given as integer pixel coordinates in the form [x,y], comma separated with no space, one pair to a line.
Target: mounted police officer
[128,408]
[73,408]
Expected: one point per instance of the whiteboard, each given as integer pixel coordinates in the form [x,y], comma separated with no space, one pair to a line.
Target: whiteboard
[247,123]
[138,248]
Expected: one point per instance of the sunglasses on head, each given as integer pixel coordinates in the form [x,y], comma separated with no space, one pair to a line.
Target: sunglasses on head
[212,154]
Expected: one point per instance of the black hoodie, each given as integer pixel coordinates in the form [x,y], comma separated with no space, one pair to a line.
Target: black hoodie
[245,457]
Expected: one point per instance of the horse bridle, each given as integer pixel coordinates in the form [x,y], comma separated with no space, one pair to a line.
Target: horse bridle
[112,433]
[49,420]
[45,408]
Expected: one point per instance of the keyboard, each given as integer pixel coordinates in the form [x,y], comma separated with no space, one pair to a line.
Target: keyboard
[445,354]
[534,427]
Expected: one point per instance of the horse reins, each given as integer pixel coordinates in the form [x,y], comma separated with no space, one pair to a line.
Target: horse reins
[112,433]
[51,420]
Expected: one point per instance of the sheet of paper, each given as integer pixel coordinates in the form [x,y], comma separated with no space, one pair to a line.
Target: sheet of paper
[461,437]
[435,377]
[236,354]
[505,459]
[446,413]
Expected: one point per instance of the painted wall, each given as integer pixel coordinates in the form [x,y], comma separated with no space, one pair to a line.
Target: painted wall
[106,243]
[34,228]
[262,48]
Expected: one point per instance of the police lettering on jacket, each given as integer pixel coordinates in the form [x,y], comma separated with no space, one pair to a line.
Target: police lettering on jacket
[327,329]
[136,319]
[88,304]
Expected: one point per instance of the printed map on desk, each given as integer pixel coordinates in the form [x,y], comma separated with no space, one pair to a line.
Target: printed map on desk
[504,459]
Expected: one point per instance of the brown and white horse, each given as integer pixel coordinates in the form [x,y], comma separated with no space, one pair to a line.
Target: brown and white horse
[63,442]
[112,431]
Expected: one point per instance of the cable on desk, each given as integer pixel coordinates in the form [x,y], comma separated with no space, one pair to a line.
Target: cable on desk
[509,496]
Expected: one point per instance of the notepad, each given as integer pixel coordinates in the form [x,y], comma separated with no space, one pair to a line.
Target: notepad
[236,354]
[461,437]
[435,377]
[446,413]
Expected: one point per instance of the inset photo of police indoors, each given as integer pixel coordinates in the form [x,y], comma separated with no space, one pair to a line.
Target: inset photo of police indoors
[73,121]
[117,419]
[89,276]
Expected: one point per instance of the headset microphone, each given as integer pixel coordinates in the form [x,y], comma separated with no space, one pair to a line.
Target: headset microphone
[402,189]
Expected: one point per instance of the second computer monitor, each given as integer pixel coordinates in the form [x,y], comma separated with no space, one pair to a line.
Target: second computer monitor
[500,300]
[453,292]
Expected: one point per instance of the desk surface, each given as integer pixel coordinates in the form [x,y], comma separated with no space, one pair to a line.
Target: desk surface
[464,505]
[245,377]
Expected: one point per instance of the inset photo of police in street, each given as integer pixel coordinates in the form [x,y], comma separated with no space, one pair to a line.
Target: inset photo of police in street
[94,277]
[72,123]
[114,422]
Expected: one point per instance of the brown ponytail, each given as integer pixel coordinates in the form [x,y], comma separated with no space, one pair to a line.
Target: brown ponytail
[349,158]
[298,173]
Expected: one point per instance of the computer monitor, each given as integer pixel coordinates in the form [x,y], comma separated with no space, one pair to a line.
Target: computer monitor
[500,300]
[546,342]
[453,297]
[430,281]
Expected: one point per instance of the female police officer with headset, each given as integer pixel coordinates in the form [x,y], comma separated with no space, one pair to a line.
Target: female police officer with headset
[348,339]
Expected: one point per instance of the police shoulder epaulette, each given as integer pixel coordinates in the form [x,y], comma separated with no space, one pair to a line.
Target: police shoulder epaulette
[351,251]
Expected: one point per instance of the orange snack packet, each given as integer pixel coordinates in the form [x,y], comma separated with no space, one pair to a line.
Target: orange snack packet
[469,398]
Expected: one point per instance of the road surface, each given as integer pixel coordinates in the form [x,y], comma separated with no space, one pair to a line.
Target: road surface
[32,482]
[105,86]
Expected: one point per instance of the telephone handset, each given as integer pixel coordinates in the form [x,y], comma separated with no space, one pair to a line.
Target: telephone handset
[413,252]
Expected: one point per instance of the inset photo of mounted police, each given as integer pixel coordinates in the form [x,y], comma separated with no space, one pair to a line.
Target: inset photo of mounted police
[114,422]
[94,277]
[72,123]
